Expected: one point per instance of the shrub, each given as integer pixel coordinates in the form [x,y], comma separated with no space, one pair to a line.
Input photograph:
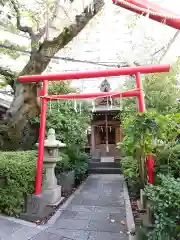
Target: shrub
[73,159]
[81,166]
[79,162]
[64,164]
[168,160]
[165,202]
[17,174]
[130,169]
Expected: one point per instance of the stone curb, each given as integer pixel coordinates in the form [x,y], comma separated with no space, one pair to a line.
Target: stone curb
[129,215]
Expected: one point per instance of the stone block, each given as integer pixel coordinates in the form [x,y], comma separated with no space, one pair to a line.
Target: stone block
[36,208]
[52,196]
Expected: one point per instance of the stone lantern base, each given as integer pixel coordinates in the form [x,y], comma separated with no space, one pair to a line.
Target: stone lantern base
[52,196]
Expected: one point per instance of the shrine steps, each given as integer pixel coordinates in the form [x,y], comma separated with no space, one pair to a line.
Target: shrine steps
[98,167]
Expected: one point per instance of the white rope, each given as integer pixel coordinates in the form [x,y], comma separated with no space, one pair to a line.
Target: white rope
[75,106]
[144,10]
[107,137]
[93,105]
[80,108]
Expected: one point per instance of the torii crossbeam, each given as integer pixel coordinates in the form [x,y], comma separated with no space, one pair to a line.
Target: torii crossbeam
[154,12]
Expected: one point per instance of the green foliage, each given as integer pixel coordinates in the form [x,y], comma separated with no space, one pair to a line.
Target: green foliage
[140,132]
[17,175]
[73,159]
[60,87]
[130,169]
[161,92]
[165,202]
[168,160]
[70,126]
[10,52]
[79,161]
[152,134]
[64,164]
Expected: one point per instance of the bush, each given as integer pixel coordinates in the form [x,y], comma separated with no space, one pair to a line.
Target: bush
[130,169]
[79,161]
[165,202]
[64,164]
[17,174]
[81,166]
[168,160]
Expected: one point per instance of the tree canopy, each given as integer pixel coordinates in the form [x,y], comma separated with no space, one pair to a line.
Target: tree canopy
[46,32]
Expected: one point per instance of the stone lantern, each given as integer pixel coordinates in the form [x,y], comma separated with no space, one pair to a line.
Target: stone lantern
[50,190]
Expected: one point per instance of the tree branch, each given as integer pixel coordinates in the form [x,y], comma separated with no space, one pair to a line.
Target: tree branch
[24,29]
[50,48]
[172,40]
[9,75]
[7,72]
[42,30]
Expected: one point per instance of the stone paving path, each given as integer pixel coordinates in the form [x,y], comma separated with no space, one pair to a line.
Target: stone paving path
[96,212]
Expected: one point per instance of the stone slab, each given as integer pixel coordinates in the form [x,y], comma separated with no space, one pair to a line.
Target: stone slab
[105,226]
[75,224]
[67,214]
[69,234]
[8,228]
[107,159]
[107,236]
[102,202]
[47,236]
[25,233]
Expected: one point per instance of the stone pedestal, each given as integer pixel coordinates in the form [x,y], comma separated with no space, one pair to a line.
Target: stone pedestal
[50,190]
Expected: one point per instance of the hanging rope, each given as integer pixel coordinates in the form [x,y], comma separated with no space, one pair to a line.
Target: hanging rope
[75,106]
[107,137]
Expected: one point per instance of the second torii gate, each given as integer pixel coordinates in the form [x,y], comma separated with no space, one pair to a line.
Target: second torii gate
[138,92]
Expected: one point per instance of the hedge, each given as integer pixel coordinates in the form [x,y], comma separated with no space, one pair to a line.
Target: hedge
[17,178]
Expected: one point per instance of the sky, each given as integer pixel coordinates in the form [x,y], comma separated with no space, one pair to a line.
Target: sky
[107,38]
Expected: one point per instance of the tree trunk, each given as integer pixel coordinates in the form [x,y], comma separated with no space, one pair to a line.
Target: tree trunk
[26,102]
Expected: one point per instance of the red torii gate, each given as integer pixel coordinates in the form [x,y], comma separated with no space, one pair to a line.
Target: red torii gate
[138,92]
[155,12]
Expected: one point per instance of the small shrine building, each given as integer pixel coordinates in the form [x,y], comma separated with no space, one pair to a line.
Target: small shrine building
[105,127]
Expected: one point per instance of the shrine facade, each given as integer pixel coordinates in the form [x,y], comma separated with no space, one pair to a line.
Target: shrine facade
[105,130]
